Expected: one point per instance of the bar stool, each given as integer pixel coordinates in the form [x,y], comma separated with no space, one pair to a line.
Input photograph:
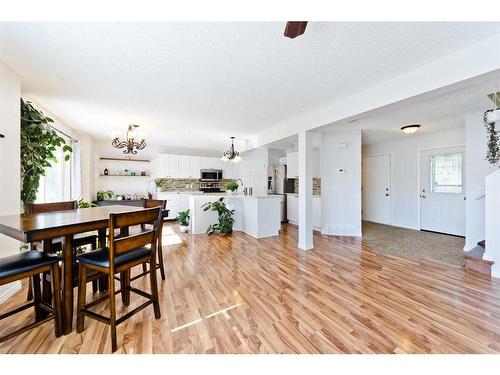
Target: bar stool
[31,264]
[150,203]
[124,253]
[79,240]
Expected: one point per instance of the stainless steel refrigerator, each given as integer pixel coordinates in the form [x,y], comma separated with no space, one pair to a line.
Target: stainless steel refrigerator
[279,184]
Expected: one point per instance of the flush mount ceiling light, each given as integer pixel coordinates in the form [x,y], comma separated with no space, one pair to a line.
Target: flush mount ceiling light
[410,129]
[133,141]
[231,155]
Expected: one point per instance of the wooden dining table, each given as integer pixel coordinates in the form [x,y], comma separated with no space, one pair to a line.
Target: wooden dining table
[45,227]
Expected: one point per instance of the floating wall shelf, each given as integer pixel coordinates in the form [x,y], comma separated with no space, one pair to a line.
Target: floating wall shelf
[122,175]
[123,159]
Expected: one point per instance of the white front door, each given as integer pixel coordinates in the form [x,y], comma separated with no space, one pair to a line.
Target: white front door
[376,198]
[442,190]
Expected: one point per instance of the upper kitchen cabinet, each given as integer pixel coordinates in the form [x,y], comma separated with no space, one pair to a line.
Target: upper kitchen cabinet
[292,166]
[195,166]
[185,167]
[227,170]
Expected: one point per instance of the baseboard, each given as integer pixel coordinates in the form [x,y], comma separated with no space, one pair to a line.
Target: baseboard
[8,290]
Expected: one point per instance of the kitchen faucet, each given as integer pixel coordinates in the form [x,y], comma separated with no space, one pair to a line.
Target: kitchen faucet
[240,180]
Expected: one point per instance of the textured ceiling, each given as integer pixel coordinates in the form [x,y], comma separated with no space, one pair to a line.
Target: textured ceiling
[195,84]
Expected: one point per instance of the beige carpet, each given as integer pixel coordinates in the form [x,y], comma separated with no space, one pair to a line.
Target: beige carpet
[391,240]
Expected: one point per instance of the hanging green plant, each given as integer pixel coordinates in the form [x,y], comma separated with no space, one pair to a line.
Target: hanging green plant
[39,141]
[493,142]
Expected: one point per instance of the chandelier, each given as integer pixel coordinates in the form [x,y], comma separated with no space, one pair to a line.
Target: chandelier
[231,155]
[133,141]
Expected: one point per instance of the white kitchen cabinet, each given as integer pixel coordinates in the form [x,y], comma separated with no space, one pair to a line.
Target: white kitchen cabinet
[160,165]
[195,166]
[184,168]
[292,208]
[168,166]
[215,163]
[292,211]
[237,171]
[316,212]
[173,203]
[292,167]
[227,170]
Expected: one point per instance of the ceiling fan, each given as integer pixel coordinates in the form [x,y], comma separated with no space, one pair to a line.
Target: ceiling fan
[294,29]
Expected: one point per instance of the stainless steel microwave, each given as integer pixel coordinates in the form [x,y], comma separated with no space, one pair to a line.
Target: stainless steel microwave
[211,175]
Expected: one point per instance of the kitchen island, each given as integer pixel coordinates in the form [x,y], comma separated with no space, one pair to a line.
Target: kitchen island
[256,215]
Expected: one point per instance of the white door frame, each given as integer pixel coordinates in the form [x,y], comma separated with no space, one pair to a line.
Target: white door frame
[419,165]
[390,154]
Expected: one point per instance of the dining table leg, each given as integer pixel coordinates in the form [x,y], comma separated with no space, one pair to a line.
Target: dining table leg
[67,287]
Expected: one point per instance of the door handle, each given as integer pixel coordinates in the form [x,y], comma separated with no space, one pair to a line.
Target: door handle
[422,196]
[386,195]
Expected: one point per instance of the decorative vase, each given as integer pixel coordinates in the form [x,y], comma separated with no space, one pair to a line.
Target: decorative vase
[493,116]
[184,228]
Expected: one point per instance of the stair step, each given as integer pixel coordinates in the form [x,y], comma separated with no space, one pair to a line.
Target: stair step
[474,261]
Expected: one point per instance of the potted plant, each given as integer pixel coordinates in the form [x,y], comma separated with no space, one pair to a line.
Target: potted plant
[231,187]
[85,204]
[105,195]
[183,220]
[39,142]
[226,219]
[158,183]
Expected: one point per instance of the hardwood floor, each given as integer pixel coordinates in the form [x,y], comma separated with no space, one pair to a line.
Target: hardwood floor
[241,295]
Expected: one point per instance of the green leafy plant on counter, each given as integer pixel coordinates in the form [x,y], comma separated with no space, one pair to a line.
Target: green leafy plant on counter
[104,195]
[231,186]
[226,217]
[158,183]
[183,218]
[39,142]
[85,204]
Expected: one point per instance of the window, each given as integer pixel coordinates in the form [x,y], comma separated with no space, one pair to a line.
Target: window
[52,187]
[62,181]
[446,173]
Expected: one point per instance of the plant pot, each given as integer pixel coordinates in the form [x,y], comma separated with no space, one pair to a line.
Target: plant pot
[230,192]
[158,189]
[493,116]
[184,228]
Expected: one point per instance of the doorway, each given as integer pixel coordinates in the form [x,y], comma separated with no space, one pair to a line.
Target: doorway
[442,190]
[376,197]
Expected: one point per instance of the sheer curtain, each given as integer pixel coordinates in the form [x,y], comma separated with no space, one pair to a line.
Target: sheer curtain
[76,170]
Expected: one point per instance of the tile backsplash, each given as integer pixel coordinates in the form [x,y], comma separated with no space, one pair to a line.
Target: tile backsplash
[316,186]
[185,184]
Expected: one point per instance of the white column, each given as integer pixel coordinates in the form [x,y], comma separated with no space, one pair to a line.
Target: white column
[305,191]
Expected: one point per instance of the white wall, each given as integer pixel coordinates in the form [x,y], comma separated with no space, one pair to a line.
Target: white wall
[404,171]
[476,169]
[10,188]
[341,192]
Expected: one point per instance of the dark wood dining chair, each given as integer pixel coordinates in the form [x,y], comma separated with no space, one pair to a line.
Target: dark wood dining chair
[124,252]
[31,264]
[82,239]
[150,203]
